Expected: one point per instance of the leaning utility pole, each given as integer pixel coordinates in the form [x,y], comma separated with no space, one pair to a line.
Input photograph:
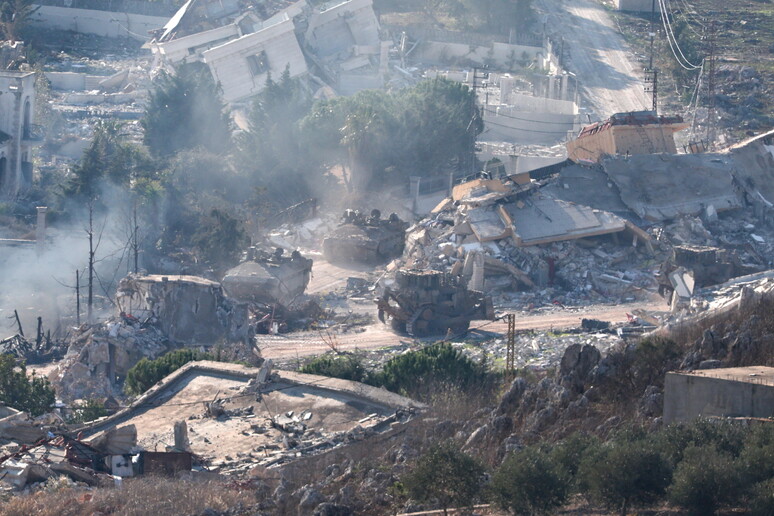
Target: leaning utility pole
[510,359]
[77,297]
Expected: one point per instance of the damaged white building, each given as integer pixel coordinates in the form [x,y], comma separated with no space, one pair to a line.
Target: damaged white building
[241,47]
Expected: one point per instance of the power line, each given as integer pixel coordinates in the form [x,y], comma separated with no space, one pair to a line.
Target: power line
[524,119]
[526,130]
[672,40]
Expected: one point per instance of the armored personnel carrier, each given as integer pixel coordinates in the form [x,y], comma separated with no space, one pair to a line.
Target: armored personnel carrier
[427,302]
[364,239]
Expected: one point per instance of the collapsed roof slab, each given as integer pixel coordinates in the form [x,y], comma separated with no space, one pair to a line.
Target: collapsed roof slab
[664,186]
[753,163]
[325,407]
[588,186]
[542,220]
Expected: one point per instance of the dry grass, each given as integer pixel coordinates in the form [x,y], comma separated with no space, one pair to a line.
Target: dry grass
[137,497]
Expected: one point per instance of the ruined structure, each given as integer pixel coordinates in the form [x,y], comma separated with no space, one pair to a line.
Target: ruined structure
[269,278]
[18,134]
[187,309]
[425,303]
[638,132]
[242,46]
[365,239]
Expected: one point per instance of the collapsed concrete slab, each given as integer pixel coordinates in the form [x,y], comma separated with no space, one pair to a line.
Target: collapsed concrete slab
[665,186]
[260,425]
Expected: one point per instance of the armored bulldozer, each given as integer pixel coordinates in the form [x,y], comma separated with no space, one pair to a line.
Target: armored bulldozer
[427,302]
[364,239]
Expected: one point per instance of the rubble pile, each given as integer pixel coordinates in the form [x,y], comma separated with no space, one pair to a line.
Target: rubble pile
[472,232]
[99,356]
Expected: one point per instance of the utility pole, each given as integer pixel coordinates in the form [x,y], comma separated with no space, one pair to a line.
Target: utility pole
[135,243]
[711,87]
[651,74]
[77,297]
[90,301]
[510,359]
[473,108]
[651,86]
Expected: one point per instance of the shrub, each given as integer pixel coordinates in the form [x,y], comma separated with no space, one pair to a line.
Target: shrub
[762,500]
[569,453]
[412,372]
[530,482]
[705,480]
[346,367]
[89,411]
[757,457]
[146,373]
[623,474]
[32,394]
[721,435]
[446,475]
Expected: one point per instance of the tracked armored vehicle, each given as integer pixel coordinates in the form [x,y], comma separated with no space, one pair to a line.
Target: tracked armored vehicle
[269,278]
[362,239]
[427,302]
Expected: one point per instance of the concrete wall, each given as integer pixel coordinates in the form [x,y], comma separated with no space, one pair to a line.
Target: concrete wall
[525,127]
[74,81]
[99,23]
[635,5]
[687,397]
[337,29]
[622,140]
[500,55]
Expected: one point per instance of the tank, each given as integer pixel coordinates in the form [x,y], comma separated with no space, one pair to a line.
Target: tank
[364,239]
[426,303]
[269,278]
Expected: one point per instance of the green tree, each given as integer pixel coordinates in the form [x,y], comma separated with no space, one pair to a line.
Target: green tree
[626,473]
[445,475]
[89,411]
[14,17]
[705,480]
[32,394]
[530,482]
[185,110]
[220,239]
[109,159]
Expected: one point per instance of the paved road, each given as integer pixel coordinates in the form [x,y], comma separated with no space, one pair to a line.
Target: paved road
[611,80]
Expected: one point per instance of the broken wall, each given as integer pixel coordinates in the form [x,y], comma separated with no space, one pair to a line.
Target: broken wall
[187,309]
[100,23]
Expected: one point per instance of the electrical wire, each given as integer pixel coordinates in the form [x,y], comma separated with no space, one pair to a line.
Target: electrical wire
[526,130]
[673,40]
[523,119]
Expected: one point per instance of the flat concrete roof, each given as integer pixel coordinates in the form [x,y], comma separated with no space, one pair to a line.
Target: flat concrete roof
[753,374]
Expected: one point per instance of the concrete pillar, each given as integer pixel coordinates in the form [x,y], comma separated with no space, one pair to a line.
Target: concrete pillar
[565,81]
[40,228]
[550,86]
[477,278]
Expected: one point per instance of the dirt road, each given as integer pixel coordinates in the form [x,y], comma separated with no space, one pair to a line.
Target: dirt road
[609,75]
[378,335]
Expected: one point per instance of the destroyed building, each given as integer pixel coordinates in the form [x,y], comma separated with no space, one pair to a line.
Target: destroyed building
[243,46]
[269,278]
[18,133]
[625,134]
[187,309]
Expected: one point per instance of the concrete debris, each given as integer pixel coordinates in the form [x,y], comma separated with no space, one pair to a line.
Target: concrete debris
[187,309]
